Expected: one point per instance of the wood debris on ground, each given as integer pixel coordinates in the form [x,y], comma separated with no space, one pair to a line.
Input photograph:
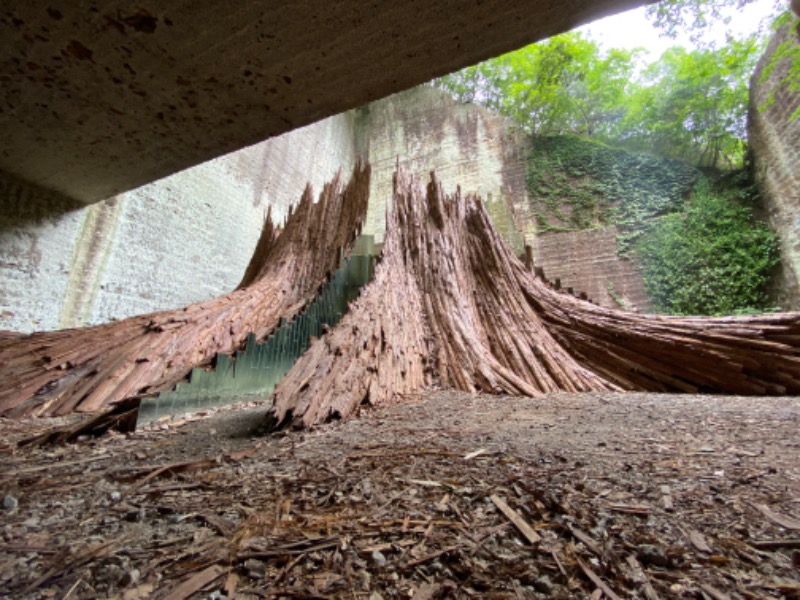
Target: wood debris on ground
[456,496]
[91,368]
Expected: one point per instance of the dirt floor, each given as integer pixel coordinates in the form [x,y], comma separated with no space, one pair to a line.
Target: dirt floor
[450,496]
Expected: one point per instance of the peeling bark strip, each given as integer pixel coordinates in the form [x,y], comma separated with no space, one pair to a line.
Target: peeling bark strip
[87,369]
[451,306]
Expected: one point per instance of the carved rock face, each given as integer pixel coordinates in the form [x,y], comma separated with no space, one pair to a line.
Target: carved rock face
[775,143]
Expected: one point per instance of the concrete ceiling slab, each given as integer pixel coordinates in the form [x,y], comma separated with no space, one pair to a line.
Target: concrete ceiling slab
[102,97]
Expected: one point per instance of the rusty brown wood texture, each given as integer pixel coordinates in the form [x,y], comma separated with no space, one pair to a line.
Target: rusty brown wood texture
[87,369]
[451,306]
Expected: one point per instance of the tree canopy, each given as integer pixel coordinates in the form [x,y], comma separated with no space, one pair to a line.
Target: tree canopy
[690,104]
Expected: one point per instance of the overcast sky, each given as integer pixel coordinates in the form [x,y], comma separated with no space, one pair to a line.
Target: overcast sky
[632,29]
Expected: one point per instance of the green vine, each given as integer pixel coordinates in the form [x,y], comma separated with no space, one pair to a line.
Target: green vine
[786,55]
[614,296]
[574,184]
[701,249]
[712,259]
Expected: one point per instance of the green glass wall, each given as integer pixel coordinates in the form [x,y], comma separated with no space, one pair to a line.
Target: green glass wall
[260,366]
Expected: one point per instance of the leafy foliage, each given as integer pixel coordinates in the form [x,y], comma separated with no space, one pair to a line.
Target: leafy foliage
[693,105]
[575,183]
[565,84]
[712,259]
[698,16]
[690,106]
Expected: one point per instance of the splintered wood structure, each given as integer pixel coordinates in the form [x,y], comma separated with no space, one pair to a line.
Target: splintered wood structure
[451,306]
[58,372]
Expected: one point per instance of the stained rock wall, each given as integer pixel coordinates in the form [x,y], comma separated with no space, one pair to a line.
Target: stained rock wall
[182,239]
[188,237]
[775,144]
[465,144]
[37,232]
[588,261]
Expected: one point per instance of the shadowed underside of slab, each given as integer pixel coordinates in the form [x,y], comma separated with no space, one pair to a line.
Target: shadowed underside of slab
[101,97]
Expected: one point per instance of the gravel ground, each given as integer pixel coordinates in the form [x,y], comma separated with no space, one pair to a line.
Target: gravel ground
[442,496]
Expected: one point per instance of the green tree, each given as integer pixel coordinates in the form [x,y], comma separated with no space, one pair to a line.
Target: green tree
[692,105]
[689,105]
[564,84]
[698,17]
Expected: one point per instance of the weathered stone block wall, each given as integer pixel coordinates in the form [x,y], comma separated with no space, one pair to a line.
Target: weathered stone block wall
[775,143]
[37,233]
[587,261]
[465,144]
[486,154]
[188,237]
[182,239]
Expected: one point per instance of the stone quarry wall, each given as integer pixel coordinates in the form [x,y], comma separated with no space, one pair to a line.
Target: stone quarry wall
[465,144]
[486,154]
[188,237]
[182,239]
[775,144]
[588,261]
[37,233]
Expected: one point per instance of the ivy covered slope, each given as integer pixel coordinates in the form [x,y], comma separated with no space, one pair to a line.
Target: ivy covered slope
[575,183]
[702,249]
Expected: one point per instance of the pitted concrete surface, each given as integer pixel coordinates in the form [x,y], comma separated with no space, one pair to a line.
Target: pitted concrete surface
[102,97]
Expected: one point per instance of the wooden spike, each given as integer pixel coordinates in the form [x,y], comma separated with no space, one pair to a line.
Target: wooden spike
[88,369]
[452,306]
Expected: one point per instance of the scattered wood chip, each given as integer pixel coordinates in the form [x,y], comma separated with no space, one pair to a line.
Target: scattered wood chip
[425,482]
[740,452]
[513,516]
[196,582]
[666,498]
[640,510]
[140,592]
[427,591]
[431,556]
[714,593]
[637,572]
[231,582]
[586,539]
[241,454]
[699,541]
[650,592]
[779,518]
[302,547]
[775,544]
[595,579]
[222,525]
[472,455]
[172,469]
[559,564]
